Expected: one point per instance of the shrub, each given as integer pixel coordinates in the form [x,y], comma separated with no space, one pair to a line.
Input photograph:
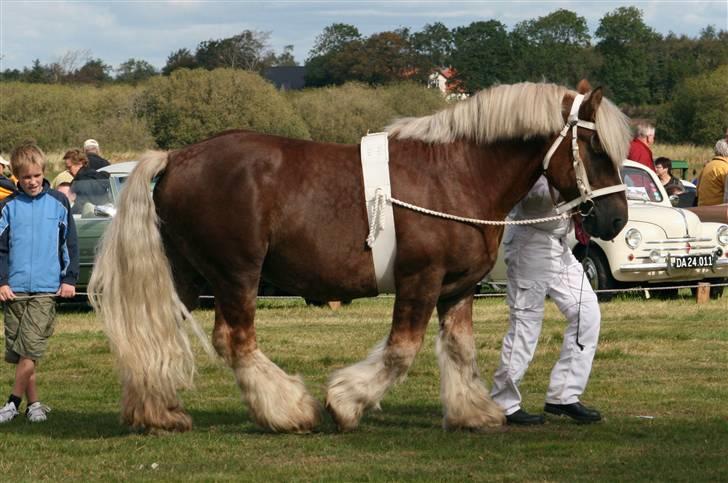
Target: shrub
[191,105]
[59,117]
[345,113]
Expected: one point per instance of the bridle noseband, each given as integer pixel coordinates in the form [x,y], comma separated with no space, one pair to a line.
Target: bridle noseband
[582,179]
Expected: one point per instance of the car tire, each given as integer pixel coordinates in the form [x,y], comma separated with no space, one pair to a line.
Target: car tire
[597,271]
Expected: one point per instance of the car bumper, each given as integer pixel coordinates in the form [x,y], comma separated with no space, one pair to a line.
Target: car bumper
[661,271]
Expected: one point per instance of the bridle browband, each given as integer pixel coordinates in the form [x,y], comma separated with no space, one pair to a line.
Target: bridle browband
[582,179]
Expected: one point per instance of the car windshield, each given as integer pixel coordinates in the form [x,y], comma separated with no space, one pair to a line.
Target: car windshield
[640,185]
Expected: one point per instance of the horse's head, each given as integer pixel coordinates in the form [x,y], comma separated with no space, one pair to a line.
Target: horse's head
[585,167]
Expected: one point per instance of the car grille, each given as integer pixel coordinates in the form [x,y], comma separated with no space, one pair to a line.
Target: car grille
[678,246]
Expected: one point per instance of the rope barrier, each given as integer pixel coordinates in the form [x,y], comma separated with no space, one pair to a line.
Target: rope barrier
[480,295]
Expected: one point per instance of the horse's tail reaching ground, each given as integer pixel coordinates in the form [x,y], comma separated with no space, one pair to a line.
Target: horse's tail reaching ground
[132,289]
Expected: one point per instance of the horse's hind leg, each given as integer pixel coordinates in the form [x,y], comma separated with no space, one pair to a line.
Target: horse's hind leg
[276,400]
[465,398]
[356,388]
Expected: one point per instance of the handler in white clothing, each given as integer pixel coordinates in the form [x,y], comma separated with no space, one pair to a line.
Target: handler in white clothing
[540,263]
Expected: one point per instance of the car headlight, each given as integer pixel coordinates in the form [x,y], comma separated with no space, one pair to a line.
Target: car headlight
[633,238]
[723,235]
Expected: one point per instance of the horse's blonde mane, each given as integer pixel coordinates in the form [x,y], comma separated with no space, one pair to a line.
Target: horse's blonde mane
[513,111]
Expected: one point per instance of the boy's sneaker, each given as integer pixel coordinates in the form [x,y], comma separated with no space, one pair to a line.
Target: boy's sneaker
[8,412]
[37,412]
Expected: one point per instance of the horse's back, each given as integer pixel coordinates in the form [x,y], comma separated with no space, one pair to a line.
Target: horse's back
[242,200]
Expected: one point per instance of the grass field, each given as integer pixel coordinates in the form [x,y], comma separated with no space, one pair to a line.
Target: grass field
[660,378]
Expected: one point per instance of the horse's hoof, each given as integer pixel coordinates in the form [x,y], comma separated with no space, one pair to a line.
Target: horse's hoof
[343,424]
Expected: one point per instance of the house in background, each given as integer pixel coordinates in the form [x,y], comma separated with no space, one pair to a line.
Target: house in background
[286,77]
[445,79]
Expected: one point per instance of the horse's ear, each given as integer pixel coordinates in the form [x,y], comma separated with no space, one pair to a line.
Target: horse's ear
[583,87]
[591,104]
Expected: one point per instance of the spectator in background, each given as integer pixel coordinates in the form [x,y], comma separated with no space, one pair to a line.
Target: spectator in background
[640,150]
[65,188]
[712,181]
[66,176]
[93,153]
[8,184]
[663,168]
[89,185]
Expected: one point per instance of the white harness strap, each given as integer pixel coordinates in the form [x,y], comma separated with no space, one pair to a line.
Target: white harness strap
[582,179]
[382,237]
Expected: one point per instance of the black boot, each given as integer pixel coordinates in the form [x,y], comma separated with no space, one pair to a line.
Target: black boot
[522,418]
[576,411]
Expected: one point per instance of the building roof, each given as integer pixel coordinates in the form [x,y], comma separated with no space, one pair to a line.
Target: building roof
[288,77]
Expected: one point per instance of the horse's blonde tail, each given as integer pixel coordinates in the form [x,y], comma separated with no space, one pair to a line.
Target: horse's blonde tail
[132,290]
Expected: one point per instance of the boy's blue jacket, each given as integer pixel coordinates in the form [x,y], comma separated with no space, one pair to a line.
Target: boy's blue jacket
[38,244]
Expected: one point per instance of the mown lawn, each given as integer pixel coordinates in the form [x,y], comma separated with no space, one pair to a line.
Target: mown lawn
[660,378]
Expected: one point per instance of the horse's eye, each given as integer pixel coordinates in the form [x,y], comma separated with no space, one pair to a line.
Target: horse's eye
[596,145]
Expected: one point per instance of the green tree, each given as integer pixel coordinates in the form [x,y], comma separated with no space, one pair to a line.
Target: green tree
[625,49]
[483,55]
[333,39]
[93,72]
[434,43]
[555,47]
[179,59]
[133,71]
[697,113]
[247,50]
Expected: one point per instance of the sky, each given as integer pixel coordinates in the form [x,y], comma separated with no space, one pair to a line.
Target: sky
[150,30]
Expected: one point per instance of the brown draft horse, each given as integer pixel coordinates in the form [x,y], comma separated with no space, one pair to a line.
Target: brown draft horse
[241,205]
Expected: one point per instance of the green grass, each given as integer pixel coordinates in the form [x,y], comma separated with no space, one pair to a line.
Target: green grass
[663,359]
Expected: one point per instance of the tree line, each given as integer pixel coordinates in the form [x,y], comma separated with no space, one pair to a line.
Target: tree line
[654,76]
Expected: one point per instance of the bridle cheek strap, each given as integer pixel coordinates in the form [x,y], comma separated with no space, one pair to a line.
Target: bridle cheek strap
[582,179]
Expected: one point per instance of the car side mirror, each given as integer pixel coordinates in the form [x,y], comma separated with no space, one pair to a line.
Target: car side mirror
[674,200]
[104,211]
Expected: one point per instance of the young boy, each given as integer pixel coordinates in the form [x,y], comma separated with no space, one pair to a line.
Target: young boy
[38,261]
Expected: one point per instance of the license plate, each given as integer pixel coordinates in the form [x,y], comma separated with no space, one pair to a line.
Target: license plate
[692,261]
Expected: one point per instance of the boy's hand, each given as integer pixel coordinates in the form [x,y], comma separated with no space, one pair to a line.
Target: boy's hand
[66,291]
[6,293]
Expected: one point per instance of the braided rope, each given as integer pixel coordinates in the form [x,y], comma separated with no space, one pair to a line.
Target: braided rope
[380,198]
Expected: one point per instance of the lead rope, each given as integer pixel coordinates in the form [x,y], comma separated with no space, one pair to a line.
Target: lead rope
[376,224]
[581,290]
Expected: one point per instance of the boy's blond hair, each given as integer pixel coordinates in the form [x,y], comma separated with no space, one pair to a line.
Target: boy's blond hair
[26,154]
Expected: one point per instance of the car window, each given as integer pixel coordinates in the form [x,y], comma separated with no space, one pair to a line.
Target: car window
[640,185]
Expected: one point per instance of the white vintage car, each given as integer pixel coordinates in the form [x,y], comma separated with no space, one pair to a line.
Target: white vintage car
[660,246]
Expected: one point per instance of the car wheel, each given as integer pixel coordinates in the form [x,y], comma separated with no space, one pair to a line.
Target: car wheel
[597,272]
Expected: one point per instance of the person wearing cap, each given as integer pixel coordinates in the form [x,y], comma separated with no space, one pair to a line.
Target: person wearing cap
[8,185]
[93,153]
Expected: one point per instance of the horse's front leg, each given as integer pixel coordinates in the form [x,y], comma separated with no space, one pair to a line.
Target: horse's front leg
[465,399]
[361,386]
[276,400]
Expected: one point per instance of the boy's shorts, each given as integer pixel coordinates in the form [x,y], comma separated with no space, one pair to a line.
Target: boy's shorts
[28,325]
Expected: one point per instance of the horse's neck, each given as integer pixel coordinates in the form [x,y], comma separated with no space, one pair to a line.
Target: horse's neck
[508,170]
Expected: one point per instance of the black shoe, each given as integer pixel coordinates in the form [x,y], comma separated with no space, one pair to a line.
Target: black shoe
[522,418]
[576,411]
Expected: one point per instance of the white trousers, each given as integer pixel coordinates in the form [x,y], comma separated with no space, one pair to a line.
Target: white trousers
[526,301]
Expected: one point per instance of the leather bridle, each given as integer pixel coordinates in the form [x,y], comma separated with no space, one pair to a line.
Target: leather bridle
[582,179]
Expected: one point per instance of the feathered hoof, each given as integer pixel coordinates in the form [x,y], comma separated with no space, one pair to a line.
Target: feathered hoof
[151,415]
[301,416]
[346,416]
[494,420]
